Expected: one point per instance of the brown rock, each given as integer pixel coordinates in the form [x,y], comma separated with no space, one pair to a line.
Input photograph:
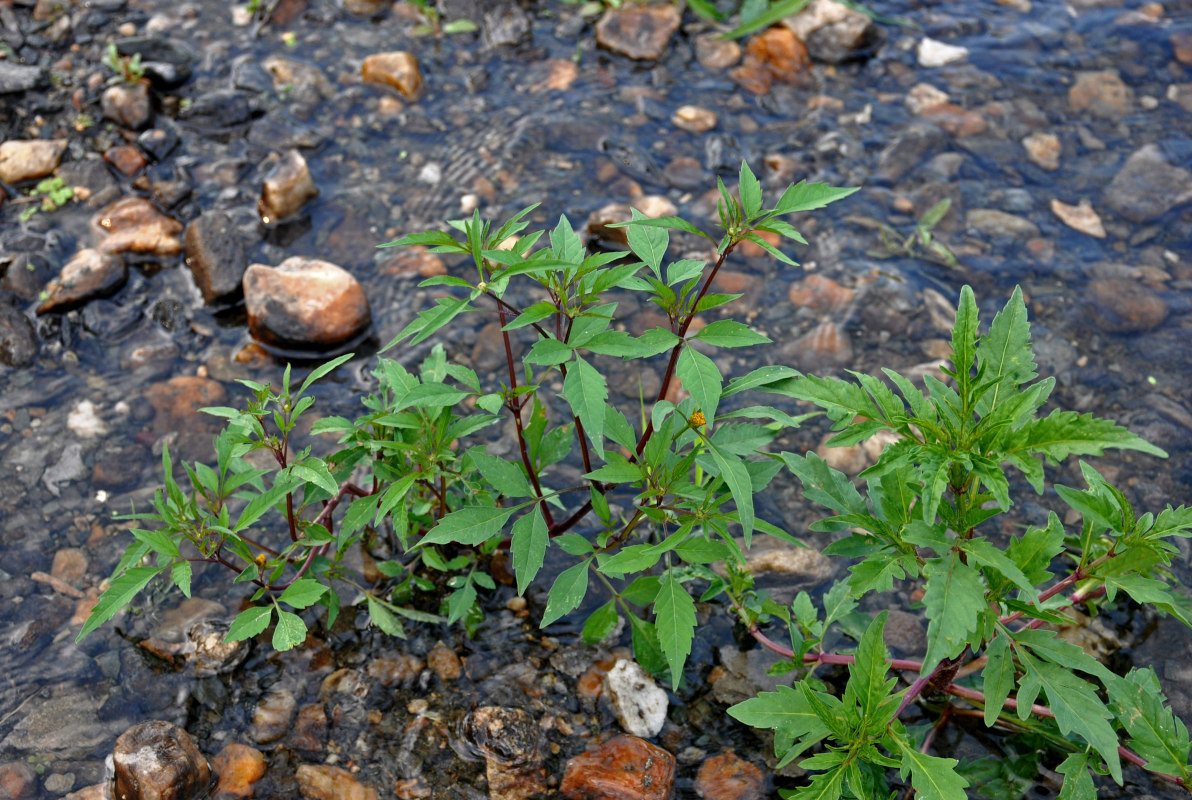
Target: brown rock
[159,761]
[560,74]
[96,791]
[70,565]
[321,782]
[821,293]
[444,662]
[803,562]
[366,7]
[127,105]
[655,205]
[599,221]
[1147,186]
[509,740]
[89,274]
[1119,306]
[304,303]
[729,777]
[640,32]
[996,223]
[694,119]
[854,459]
[399,670]
[127,159]
[924,96]
[1181,45]
[832,31]
[825,345]
[956,120]
[303,80]
[1079,217]
[398,70]
[1044,149]
[310,729]
[286,189]
[753,76]
[715,53]
[415,260]
[239,767]
[18,781]
[215,255]
[782,53]
[623,768]
[1102,94]
[272,716]
[134,224]
[18,338]
[25,159]
[178,400]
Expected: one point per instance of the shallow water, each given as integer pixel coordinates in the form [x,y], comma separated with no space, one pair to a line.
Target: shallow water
[581,148]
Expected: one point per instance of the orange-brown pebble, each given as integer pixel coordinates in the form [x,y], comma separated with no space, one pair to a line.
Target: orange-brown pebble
[239,767]
[782,52]
[729,777]
[413,260]
[444,662]
[591,684]
[821,294]
[623,768]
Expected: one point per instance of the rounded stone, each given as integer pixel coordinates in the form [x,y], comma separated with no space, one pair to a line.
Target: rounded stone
[157,760]
[18,339]
[729,777]
[127,105]
[322,782]
[622,767]
[781,52]
[89,274]
[639,703]
[639,32]
[25,159]
[239,767]
[1102,94]
[17,781]
[304,303]
[133,224]
[286,188]
[398,70]
[1119,306]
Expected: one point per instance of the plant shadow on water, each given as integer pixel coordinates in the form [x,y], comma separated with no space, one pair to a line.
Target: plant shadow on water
[1016,77]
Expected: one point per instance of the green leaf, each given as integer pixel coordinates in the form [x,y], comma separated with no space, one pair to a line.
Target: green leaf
[736,476]
[987,555]
[180,574]
[750,190]
[384,619]
[470,525]
[1037,547]
[628,560]
[676,223]
[648,242]
[549,352]
[586,391]
[618,470]
[964,337]
[504,476]
[998,676]
[600,624]
[933,778]
[645,646]
[1155,732]
[1078,783]
[730,333]
[289,632]
[825,785]
[763,379]
[119,595]
[954,602]
[1005,354]
[303,593]
[1064,433]
[535,313]
[701,379]
[158,542]
[785,710]
[1075,704]
[320,371]
[531,538]
[315,471]
[1048,645]
[249,623]
[429,395]
[805,196]
[674,621]
[867,684]
[566,593]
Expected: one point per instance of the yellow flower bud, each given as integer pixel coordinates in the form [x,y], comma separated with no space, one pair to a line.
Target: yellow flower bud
[697,419]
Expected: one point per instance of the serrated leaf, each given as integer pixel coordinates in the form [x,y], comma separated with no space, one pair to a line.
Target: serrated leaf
[1049,646]
[618,470]
[730,333]
[586,391]
[315,471]
[867,684]
[303,593]
[648,242]
[823,786]
[534,313]
[933,778]
[646,650]
[289,632]
[601,623]
[180,574]
[470,525]
[985,554]
[674,621]
[118,595]
[1037,547]
[1064,433]
[998,676]
[954,602]
[249,623]
[531,538]
[805,196]
[628,560]
[566,593]
[736,477]
[1078,783]
[701,379]
[384,619]
[1155,732]
[504,476]
[1005,355]
[784,710]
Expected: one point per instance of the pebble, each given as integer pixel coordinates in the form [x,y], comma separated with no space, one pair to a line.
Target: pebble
[25,159]
[560,75]
[803,562]
[821,293]
[1119,306]
[97,791]
[1181,45]
[309,734]
[638,702]
[694,119]
[923,96]
[88,274]
[398,70]
[59,782]
[18,339]
[1080,217]
[1147,186]
[70,565]
[654,206]
[415,260]
[216,257]
[155,760]
[782,53]
[304,303]
[995,223]
[623,768]
[239,767]
[306,82]
[134,224]
[600,220]
[127,105]
[19,78]
[1044,149]
[272,716]
[904,632]
[729,777]
[443,661]
[18,781]
[716,54]
[824,346]
[856,458]
[287,187]
[1102,94]
[126,159]
[399,670]
[956,120]
[509,739]
[84,421]
[639,32]
[322,782]
[833,32]
[934,53]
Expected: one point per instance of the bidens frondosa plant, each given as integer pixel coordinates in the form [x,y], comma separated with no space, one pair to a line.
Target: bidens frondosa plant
[665,508]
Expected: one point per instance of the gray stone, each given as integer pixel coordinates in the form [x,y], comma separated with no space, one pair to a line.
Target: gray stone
[505,25]
[996,223]
[127,105]
[66,726]
[18,340]
[69,467]
[1147,186]
[908,151]
[20,78]
[215,255]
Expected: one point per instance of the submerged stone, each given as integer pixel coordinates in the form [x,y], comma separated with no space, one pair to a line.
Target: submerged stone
[159,761]
[89,274]
[639,32]
[304,303]
[25,159]
[623,768]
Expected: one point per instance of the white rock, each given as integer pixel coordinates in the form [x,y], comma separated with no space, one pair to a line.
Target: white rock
[939,54]
[638,702]
[84,420]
